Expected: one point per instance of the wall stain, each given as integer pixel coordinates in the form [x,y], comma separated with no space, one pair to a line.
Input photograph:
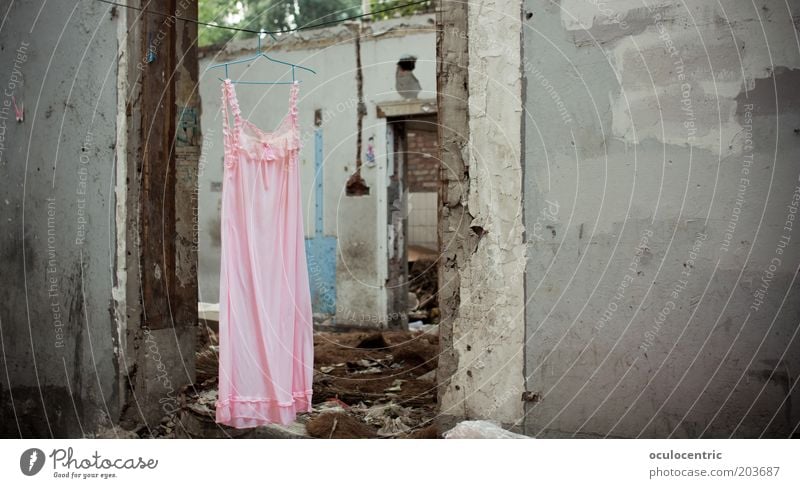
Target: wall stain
[763,95]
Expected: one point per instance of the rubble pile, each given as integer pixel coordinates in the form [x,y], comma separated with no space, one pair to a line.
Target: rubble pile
[366,385]
[423,290]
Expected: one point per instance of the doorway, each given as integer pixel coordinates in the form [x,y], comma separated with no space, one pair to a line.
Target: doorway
[412,202]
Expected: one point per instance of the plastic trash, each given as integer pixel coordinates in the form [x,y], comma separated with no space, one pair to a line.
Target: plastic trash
[480,429]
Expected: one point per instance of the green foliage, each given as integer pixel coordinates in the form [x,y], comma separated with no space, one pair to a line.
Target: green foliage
[214,12]
[278,15]
[400,12]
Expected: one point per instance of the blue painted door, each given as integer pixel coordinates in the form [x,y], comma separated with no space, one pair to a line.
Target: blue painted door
[320,249]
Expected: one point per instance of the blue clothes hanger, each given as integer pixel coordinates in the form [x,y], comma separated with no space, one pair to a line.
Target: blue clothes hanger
[260,54]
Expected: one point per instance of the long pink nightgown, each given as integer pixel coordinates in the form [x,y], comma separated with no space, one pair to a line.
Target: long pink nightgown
[266,348]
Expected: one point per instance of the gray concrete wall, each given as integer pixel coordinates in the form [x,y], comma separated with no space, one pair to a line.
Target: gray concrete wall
[58,370]
[661,188]
[357,222]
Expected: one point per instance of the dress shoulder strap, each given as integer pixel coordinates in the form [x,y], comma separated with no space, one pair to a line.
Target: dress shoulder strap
[295,143]
[230,104]
[293,102]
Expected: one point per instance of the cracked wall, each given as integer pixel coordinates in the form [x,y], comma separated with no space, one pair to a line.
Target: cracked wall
[58,372]
[72,331]
[481,232]
[660,172]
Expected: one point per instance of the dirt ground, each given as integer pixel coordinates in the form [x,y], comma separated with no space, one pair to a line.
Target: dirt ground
[366,385]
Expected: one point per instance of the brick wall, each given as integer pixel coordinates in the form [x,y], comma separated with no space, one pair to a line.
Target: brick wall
[423,157]
[422,219]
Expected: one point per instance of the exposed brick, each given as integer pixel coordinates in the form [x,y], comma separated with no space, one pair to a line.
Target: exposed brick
[423,160]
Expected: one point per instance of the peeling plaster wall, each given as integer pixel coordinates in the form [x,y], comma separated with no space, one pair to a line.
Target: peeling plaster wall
[58,373]
[642,311]
[361,259]
[156,287]
[484,327]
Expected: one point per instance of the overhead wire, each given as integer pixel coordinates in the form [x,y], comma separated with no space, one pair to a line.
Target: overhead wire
[263,31]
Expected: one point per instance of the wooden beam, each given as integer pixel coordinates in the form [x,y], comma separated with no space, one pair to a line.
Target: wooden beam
[406,108]
[157,203]
[163,149]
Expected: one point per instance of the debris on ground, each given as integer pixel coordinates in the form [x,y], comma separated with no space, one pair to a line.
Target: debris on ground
[332,405]
[390,418]
[377,384]
[373,341]
[423,285]
[203,404]
[114,432]
[429,432]
[339,425]
[429,376]
[420,353]
[206,363]
[480,429]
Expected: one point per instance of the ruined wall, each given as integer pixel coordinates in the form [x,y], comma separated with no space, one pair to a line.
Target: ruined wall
[355,221]
[58,374]
[481,233]
[661,188]
[156,287]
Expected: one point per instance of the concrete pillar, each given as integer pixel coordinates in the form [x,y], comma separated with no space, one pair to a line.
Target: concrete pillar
[480,220]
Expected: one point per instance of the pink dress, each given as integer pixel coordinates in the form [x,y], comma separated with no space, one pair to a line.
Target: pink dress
[266,348]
